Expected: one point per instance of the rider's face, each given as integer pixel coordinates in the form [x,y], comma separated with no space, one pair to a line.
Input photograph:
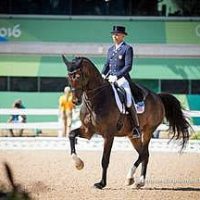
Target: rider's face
[118,38]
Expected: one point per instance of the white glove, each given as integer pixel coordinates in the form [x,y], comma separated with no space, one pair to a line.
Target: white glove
[112,78]
[103,76]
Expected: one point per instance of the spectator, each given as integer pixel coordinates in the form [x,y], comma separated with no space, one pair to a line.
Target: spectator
[66,107]
[17,118]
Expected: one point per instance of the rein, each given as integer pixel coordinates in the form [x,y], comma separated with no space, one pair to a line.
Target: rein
[101,88]
[88,100]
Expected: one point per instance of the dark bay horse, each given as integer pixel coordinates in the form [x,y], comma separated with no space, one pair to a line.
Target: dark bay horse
[100,115]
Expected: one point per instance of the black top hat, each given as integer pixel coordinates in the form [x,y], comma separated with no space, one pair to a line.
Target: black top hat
[119,29]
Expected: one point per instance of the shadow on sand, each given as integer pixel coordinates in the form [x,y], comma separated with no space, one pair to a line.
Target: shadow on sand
[190,189]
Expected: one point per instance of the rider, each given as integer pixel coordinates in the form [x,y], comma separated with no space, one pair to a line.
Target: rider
[117,68]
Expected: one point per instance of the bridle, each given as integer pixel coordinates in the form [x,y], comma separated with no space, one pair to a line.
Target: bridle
[73,76]
[88,94]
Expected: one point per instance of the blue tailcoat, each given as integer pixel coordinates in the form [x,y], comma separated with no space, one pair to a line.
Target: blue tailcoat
[119,62]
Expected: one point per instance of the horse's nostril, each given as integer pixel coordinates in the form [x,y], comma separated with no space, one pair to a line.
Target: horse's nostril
[79,102]
[76,101]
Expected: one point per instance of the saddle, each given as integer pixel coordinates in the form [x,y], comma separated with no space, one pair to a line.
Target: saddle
[139,92]
[139,95]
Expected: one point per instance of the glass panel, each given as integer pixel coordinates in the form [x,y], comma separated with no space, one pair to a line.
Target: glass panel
[150,84]
[4,6]
[175,86]
[3,84]
[195,87]
[23,84]
[52,84]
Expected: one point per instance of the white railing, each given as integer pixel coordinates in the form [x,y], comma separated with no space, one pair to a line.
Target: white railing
[56,125]
[95,144]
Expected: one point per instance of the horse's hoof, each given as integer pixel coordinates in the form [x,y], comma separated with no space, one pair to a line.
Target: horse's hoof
[99,185]
[79,164]
[140,185]
[129,181]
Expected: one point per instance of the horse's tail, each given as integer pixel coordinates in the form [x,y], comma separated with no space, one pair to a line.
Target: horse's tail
[174,115]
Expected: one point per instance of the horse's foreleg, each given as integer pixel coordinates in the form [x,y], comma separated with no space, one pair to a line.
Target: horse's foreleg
[105,162]
[72,138]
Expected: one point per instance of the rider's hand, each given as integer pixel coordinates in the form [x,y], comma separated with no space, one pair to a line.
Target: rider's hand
[112,78]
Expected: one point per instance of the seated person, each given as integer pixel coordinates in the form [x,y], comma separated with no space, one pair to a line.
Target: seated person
[17,118]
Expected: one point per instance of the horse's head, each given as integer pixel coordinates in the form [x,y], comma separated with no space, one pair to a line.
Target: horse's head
[83,76]
[76,77]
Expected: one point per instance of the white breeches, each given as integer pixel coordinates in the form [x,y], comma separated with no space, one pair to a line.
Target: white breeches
[122,82]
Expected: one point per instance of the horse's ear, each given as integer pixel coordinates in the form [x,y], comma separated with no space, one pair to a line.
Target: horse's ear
[67,63]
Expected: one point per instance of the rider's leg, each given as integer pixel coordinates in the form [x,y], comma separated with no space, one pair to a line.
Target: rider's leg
[134,117]
[131,107]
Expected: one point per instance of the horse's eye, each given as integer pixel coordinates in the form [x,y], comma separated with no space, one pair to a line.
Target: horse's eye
[78,76]
[70,76]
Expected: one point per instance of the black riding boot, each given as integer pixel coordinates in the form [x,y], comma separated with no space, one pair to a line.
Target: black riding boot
[134,117]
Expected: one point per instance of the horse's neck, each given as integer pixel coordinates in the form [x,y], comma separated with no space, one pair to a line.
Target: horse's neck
[95,80]
[95,87]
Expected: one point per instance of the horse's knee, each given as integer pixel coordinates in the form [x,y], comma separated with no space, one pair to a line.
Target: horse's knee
[73,134]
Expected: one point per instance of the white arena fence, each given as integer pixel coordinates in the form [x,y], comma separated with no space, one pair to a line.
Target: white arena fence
[57,124]
[95,144]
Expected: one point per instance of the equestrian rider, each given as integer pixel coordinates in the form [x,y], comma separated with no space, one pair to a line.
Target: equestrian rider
[117,68]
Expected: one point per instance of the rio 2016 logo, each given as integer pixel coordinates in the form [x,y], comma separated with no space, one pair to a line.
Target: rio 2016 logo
[9,32]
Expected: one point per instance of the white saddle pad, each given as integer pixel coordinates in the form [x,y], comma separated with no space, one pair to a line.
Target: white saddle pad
[139,106]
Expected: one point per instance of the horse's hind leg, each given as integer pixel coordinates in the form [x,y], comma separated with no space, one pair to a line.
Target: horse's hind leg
[143,158]
[145,155]
[145,161]
[137,143]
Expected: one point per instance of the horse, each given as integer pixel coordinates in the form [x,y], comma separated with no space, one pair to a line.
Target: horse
[99,114]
